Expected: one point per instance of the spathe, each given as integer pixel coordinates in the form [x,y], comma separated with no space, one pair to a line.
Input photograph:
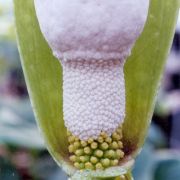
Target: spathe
[143,72]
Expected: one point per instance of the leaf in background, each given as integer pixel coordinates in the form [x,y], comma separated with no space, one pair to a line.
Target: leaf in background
[167,167]
[8,171]
[142,75]
[17,125]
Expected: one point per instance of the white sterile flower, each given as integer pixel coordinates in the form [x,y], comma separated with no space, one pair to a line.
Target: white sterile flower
[92,39]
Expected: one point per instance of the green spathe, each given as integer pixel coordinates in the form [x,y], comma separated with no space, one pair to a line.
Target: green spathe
[142,75]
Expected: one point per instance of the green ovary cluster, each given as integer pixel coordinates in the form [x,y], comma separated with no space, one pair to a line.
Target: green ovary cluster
[96,154]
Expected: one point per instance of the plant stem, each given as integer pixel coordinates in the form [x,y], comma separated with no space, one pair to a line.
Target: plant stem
[127,176]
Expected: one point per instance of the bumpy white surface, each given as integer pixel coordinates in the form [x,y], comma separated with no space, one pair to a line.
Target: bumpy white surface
[92,38]
[94,97]
[91,29]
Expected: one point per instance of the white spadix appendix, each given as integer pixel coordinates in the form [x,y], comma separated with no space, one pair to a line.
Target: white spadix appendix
[92,39]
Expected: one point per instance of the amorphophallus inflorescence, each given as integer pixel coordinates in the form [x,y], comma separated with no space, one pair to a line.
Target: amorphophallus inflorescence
[92,39]
[106,117]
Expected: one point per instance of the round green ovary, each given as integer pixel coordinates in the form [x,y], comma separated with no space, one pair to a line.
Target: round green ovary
[96,154]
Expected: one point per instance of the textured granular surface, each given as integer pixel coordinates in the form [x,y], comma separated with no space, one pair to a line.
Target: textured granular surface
[94,97]
[91,29]
[92,39]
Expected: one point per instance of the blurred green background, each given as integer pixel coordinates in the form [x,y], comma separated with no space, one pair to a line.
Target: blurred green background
[23,155]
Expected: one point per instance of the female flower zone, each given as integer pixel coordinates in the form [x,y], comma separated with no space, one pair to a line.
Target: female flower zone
[92,39]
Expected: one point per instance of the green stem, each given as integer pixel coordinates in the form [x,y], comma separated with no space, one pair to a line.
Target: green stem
[127,176]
